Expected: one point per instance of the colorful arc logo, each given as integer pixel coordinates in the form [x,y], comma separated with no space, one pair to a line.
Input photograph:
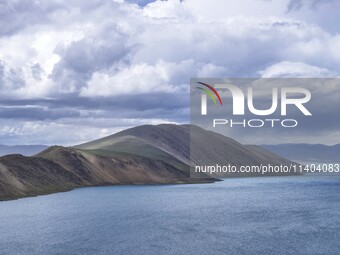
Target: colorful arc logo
[208,92]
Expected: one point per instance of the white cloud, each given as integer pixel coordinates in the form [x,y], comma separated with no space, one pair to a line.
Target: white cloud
[171,9]
[286,69]
[143,78]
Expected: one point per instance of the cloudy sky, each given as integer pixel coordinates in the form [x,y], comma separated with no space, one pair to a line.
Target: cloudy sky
[74,70]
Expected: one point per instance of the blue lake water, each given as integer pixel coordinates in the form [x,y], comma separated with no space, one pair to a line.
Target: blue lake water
[282,215]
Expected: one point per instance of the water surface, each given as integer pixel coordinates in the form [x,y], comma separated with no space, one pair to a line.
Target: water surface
[282,215]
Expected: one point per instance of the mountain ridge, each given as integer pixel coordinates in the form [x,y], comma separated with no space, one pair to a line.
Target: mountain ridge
[140,155]
[307,153]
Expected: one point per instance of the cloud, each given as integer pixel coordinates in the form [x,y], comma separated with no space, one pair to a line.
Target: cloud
[31,13]
[286,69]
[295,5]
[168,40]
[141,3]
[171,9]
[144,78]
[65,132]
[80,59]
[111,60]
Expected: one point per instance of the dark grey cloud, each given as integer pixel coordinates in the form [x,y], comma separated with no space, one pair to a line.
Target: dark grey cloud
[146,106]
[37,71]
[295,5]
[141,3]
[37,113]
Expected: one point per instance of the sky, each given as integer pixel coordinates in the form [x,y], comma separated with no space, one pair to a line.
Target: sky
[72,71]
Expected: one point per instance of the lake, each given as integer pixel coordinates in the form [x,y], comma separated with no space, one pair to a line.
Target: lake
[269,215]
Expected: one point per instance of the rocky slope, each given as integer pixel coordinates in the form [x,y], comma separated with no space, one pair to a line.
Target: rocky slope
[141,155]
[62,169]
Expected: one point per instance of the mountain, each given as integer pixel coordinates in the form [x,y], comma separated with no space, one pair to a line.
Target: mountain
[166,142]
[27,176]
[172,144]
[307,153]
[98,168]
[209,148]
[140,155]
[26,150]
[62,169]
